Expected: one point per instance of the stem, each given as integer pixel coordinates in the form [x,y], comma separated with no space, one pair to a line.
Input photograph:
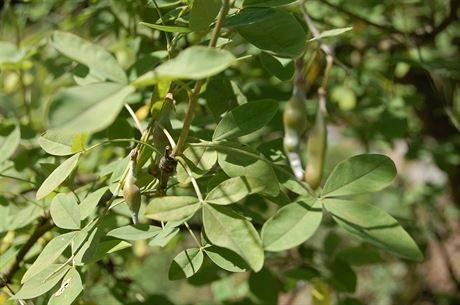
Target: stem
[194,182]
[388,29]
[193,235]
[133,115]
[168,41]
[39,232]
[139,143]
[197,88]
[17,178]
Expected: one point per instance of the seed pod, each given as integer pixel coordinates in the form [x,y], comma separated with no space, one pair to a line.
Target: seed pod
[316,149]
[131,192]
[295,123]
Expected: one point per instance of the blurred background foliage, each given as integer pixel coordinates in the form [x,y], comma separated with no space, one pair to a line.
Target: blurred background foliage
[395,89]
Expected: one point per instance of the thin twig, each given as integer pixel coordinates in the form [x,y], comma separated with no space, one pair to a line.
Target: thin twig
[197,88]
[40,230]
[136,120]
[193,235]
[194,182]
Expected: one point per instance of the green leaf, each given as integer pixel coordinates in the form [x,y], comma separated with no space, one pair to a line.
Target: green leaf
[375,226]
[203,13]
[196,62]
[48,255]
[42,282]
[101,63]
[57,143]
[16,215]
[245,119]
[7,257]
[360,174]
[106,247]
[70,289]
[265,287]
[226,259]
[225,228]
[164,237]
[360,256]
[64,212]
[167,28]
[331,33]
[237,160]
[9,53]
[292,225]
[186,264]
[135,232]
[172,208]
[199,159]
[272,30]
[9,143]
[88,108]
[342,276]
[281,68]
[88,204]
[234,189]
[57,176]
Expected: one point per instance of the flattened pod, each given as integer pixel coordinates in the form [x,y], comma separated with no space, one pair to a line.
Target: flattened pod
[316,149]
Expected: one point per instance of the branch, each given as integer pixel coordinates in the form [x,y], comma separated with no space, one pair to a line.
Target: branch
[197,88]
[451,17]
[385,28]
[39,232]
[423,37]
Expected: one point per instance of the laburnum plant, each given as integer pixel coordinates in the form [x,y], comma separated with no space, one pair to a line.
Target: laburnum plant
[159,144]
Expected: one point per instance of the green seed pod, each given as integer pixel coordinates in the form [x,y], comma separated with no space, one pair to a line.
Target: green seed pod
[316,149]
[295,115]
[131,192]
[295,123]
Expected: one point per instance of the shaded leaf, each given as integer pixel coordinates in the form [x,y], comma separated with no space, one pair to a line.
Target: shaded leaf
[375,226]
[226,259]
[186,264]
[245,119]
[203,13]
[261,27]
[225,228]
[281,68]
[342,276]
